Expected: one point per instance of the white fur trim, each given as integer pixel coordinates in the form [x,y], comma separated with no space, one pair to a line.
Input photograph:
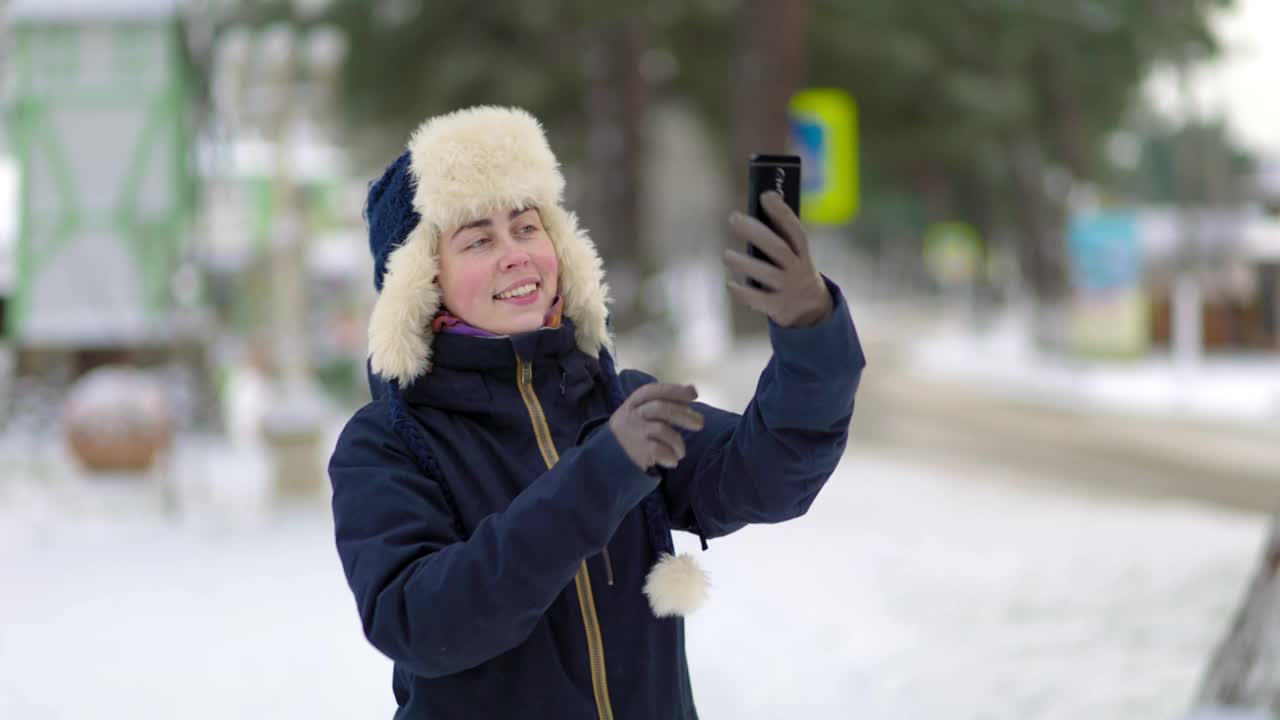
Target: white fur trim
[467,164]
[400,325]
[676,585]
[581,282]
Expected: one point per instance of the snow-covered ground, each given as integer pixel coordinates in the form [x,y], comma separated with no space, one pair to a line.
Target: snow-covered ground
[907,592]
[912,593]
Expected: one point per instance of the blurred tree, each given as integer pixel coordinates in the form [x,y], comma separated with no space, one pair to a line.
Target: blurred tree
[993,110]
[770,61]
[1243,677]
[576,65]
[1220,171]
[987,110]
[990,111]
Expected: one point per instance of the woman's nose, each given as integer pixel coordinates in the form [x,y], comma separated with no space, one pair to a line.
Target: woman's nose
[514,255]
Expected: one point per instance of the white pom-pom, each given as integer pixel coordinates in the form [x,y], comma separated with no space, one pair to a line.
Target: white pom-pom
[676,585]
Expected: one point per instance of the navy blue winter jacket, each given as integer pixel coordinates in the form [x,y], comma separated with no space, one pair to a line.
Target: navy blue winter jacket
[466,554]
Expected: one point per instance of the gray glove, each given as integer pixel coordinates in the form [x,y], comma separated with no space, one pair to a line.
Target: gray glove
[645,424]
[795,294]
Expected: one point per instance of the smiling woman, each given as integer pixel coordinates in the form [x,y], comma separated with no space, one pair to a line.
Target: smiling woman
[503,508]
[499,273]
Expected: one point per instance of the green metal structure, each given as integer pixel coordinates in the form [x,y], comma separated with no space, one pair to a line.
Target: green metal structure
[99,123]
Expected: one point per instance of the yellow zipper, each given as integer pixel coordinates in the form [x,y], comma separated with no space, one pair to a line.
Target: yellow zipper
[582,581]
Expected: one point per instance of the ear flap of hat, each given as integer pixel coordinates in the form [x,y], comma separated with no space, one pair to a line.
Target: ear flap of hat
[400,325]
[582,286]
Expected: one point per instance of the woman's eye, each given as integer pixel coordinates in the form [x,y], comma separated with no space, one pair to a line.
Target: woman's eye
[528,229]
[478,242]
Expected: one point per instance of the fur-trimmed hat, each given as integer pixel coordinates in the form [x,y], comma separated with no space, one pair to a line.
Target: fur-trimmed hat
[458,167]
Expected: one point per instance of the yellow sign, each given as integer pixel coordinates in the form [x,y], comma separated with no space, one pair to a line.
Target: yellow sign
[953,253]
[824,131]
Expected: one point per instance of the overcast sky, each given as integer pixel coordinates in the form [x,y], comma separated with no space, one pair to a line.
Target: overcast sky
[1245,84]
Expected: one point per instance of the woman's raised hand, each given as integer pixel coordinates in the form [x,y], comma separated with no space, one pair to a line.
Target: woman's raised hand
[647,423]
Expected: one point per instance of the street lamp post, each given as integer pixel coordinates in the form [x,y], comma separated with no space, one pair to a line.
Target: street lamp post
[294,423]
[1187,301]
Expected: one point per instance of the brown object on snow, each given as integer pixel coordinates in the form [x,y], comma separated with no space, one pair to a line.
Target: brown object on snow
[117,419]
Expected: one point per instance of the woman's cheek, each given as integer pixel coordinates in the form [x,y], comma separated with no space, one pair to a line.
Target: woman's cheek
[551,267]
[461,296]
[475,288]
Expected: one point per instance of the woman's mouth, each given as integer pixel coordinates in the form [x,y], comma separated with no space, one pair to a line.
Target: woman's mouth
[525,294]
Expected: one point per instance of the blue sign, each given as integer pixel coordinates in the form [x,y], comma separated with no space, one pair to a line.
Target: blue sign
[1105,255]
[811,145]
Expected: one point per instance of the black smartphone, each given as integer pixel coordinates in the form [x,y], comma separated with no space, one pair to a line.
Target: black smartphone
[771,172]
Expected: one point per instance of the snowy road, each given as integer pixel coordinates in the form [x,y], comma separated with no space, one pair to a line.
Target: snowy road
[907,592]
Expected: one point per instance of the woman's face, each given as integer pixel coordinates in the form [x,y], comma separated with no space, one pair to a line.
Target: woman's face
[499,272]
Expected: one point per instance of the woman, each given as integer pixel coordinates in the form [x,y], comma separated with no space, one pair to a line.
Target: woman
[503,508]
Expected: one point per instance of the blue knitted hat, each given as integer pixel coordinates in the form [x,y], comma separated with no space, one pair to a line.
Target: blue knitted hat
[389,211]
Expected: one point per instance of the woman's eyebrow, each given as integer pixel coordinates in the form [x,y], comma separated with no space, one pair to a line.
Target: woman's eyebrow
[482,222]
[486,222]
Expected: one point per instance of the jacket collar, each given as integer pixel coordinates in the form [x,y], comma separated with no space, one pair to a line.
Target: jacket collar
[465,368]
